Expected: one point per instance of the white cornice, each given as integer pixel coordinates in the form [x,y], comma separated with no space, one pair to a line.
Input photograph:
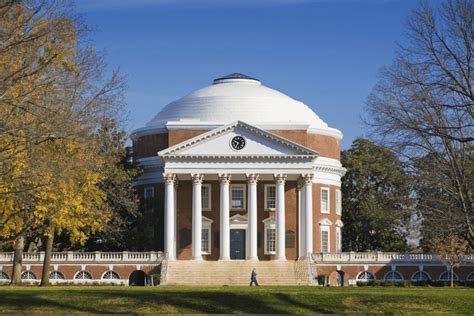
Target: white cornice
[211,157]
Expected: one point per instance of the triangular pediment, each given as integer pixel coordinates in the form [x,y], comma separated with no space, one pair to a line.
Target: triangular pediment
[238,139]
[238,219]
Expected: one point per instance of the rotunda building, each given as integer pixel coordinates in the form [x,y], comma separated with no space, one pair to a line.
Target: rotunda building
[240,171]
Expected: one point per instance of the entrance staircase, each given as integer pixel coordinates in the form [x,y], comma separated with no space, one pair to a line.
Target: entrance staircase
[236,272]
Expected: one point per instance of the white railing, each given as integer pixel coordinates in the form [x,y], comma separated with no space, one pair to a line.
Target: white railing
[381,257]
[90,257]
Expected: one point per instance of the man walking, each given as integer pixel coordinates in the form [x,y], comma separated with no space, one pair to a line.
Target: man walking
[253,278]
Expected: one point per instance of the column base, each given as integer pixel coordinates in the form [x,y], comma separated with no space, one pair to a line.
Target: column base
[252,259]
[224,259]
[197,258]
[281,259]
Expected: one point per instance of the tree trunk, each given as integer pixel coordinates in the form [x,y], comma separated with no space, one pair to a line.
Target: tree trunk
[452,276]
[18,260]
[47,260]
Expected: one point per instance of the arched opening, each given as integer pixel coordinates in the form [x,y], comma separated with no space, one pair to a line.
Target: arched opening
[340,278]
[137,278]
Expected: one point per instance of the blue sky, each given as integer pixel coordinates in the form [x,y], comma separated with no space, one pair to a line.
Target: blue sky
[326,53]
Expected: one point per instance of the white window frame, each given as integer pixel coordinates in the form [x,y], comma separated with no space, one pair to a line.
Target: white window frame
[244,206]
[83,272]
[366,273]
[209,188]
[4,276]
[207,225]
[28,275]
[386,276]
[470,277]
[58,275]
[328,202]
[266,186]
[326,229]
[338,202]
[106,274]
[445,276]
[421,272]
[152,189]
[269,224]
[338,240]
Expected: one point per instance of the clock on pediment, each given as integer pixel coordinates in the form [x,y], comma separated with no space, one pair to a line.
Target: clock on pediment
[237,143]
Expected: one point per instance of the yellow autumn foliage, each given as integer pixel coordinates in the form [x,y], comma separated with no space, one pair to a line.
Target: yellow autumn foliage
[50,163]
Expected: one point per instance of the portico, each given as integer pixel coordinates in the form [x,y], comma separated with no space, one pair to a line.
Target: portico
[267,159]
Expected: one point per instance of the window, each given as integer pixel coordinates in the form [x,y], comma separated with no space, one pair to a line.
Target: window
[393,276]
[446,276]
[338,202]
[338,239]
[470,277]
[4,276]
[83,275]
[365,276]
[237,197]
[56,275]
[270,243]
[324,239]
[111,275]
[28,275]
[269,236]
[420,276]
[206,236]
[206,197]
[270,197]
[325,200]
[205,246]
[148,193]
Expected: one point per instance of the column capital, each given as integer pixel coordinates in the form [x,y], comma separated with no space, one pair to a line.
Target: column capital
[280,178]
[224,178]
[307,178]
[169,178]
[197,178]
[252,178]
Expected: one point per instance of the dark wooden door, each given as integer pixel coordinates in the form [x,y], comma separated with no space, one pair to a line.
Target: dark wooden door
[237,244]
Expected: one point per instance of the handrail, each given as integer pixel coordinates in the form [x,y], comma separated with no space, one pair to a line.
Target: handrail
[311,276]
[383,257]
[164,269]
[97,256]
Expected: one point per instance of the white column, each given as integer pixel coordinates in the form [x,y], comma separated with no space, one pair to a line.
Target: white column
[197,217]
[252,180]
[280,216]
[301,221]
[224,180]
[175,241]
[170,225]
[308,212]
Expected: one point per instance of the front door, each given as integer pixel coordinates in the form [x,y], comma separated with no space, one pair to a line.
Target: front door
[237,244]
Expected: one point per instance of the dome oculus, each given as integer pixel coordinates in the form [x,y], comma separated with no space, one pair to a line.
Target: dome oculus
[237,143]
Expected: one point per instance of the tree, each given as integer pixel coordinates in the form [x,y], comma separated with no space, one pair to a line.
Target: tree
[422,108]
[121,197]
[53,99]
[451,250]
[376,199]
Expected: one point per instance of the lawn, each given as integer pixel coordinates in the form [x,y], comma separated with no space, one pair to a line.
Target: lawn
[276,300]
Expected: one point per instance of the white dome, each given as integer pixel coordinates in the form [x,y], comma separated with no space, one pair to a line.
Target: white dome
[239,97]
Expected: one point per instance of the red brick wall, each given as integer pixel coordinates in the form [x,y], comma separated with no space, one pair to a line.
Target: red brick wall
[318,216]
[148,146]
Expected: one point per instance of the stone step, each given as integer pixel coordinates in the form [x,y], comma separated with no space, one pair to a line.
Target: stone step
[234,272]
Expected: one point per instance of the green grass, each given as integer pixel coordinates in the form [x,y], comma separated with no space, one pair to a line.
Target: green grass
[277,300]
